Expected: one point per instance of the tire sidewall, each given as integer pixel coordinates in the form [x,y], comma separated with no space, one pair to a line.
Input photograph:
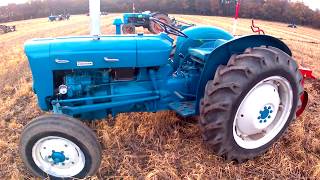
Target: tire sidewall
[152,25]
[272,72]
[128,29]
[32,141]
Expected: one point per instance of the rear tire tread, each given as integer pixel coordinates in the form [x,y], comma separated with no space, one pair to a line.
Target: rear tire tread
[225,87]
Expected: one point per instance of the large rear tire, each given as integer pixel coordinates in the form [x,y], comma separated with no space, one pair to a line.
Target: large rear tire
[250,103]
[60,147]
[156,28]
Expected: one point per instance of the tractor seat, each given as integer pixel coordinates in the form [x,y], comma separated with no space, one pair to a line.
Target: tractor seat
[201,53]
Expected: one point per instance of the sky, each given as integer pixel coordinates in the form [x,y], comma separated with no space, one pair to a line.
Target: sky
[313,4]
[5,2]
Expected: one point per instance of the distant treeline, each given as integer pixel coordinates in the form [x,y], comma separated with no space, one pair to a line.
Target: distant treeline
[274,10]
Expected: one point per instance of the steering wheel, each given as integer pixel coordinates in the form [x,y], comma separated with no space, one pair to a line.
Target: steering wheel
[168,28]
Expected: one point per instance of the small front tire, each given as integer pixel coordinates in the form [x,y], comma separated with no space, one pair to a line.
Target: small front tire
[60,147]
[128,29]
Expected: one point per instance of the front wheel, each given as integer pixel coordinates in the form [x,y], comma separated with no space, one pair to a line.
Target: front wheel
[128,29]
[60,147]
[250,102]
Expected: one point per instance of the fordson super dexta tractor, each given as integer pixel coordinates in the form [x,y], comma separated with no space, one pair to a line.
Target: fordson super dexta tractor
[245,91]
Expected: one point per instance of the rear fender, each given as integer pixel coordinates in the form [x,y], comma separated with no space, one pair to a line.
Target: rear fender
[306,74]
[222,54]
[304,101]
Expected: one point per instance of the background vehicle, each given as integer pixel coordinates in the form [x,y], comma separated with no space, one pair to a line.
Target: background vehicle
[59,17]
[5,29]
[133,20]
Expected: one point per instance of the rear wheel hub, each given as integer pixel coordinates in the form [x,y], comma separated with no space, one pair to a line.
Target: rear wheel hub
[263,112]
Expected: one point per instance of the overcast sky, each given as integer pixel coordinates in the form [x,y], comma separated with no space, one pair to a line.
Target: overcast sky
[5,2]
[314,4]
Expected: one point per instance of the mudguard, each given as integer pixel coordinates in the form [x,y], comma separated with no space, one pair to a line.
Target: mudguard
[197,35]
[222,54]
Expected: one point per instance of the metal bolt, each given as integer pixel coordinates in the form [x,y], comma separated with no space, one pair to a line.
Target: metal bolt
[65,145]
[44,148]
[281,107]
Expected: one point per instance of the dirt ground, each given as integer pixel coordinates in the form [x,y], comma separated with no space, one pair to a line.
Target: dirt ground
[159,145]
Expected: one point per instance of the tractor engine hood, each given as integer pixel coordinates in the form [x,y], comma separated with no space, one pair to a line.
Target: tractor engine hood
[47,56]
[107,52]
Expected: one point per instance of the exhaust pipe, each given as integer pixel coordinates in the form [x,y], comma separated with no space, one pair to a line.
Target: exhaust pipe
[94,10]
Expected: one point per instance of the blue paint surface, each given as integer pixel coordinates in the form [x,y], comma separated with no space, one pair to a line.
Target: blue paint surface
[58,157]
[265,114]
[131,73]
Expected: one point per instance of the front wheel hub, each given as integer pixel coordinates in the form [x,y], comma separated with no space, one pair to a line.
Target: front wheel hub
[57,157]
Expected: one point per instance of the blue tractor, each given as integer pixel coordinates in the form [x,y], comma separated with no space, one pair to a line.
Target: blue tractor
[133,20]
[60,17]
[245,91]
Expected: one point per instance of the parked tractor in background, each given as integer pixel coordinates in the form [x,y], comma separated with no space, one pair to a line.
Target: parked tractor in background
[5,29]
[133,20]
[59,17]
[246,90]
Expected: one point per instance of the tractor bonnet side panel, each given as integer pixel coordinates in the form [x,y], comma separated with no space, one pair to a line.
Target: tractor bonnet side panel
[84,52]
[89,61]
[37,52]
[153,52]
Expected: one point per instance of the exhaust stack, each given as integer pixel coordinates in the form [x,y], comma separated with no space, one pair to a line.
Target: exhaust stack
[94,8]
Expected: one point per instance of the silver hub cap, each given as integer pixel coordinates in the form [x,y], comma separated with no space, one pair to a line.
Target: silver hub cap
[58,156]
[263,112]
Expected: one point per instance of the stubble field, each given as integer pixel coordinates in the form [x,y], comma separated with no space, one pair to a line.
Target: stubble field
[159,145]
